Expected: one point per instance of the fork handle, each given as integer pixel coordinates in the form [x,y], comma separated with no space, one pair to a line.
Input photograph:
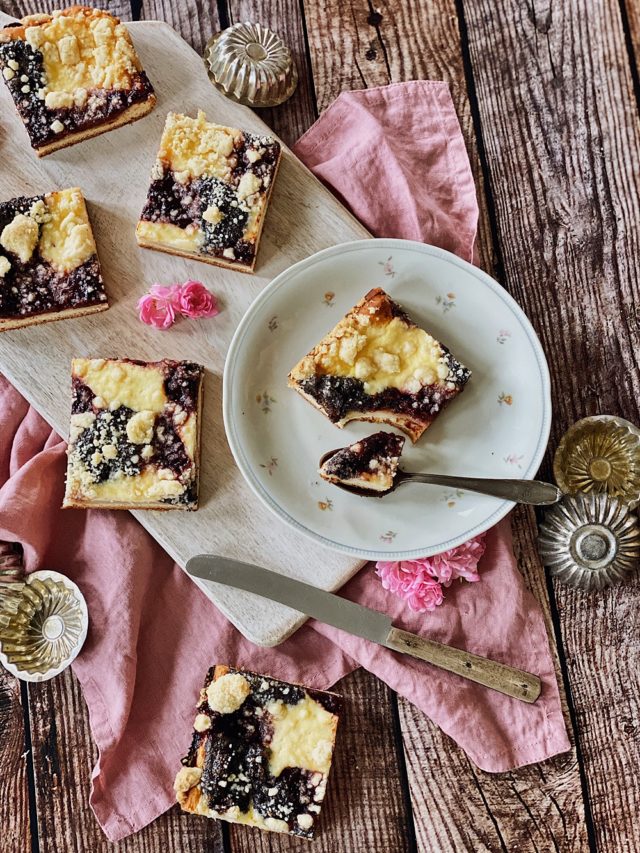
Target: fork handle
[520,491]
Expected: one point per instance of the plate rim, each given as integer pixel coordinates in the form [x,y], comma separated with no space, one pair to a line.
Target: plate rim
[357,245]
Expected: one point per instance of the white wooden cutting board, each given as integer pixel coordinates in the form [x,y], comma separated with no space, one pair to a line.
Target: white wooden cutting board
[113,171]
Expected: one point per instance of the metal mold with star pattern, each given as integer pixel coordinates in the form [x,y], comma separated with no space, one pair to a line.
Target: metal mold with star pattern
[600,455]
[590,541]
[47,629]
[251,65]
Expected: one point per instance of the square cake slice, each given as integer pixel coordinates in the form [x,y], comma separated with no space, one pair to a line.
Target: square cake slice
[72,75]
[261,752]
[134,440]
[49,268]
[377,365]
[210,187]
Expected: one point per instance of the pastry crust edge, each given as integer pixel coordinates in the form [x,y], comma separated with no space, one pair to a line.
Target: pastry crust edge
[7,324]
[132,113]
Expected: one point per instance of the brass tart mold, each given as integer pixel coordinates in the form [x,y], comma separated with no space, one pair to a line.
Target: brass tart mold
[600,455]
[252,65]
[590,541]
[48,629]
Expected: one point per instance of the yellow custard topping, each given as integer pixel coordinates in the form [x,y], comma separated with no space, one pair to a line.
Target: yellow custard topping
[117,383]
[82,50]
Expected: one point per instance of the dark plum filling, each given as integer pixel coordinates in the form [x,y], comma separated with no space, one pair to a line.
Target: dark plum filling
[236,755]
[183,204]
[339,395]
[37,287]
[182,383]
[379,447]
[102,104]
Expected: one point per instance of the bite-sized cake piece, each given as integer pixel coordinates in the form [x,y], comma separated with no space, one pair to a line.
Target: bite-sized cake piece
[48,263]
[134,440]
[72,75]
[370,464]
[378,365]
[210,187]
[261,752]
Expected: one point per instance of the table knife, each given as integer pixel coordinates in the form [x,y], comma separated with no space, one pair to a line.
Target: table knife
[364,622]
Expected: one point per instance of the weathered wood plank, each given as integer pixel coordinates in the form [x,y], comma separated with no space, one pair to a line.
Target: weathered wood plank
[14,793]
[291,119]
[631,8]
[537,808]
[560,128]
[19,8]
[364,809]
[64,754]
[390,43]
[196,21]
[354,45]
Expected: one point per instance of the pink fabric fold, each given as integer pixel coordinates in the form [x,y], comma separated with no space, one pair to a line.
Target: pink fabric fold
[396,157]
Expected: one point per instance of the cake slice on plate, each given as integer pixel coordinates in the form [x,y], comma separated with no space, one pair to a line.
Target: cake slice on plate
[261,752]
[49,268]
[378,365]
[134,440]
[370,464]
[72,75]
[210,187]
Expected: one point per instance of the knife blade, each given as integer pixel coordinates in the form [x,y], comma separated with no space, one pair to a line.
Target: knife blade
[363,622]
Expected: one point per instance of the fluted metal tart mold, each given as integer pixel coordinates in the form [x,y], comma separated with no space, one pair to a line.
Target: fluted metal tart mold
[600,455]
[252,65]
[590,541]
[47,630]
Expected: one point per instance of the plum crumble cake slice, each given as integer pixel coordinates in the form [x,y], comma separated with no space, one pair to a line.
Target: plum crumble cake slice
[134,440]
[370,464]
[261,752]
[209,192]
[378,365]
[72,75]
[49,268]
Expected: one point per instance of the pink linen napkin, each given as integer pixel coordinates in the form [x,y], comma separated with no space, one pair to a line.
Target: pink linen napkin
[397,158]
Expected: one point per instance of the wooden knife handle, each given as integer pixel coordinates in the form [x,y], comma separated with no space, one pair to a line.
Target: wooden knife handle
[498,676]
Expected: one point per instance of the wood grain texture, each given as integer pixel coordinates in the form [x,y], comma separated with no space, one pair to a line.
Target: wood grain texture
[354,45]
[561,132]
[14,793]
[196,21]
[303,217]
[20,8]
[364,809]
[407,41]
[64,754]
[291,119]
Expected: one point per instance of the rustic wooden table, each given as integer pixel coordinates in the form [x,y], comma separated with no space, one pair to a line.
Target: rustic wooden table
[548,96]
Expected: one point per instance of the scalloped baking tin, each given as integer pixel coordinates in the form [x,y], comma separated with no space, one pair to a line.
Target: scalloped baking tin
[47,630]
[590,541]
[252,65]
[600,455]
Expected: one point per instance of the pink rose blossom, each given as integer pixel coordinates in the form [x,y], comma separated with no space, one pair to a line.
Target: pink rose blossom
[156,310]
[194,300]
[419,582]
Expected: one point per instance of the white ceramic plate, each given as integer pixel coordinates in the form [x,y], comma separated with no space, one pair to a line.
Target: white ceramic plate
[498,427]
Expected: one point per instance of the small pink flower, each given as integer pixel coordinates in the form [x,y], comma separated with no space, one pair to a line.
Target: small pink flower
[420,581]
[194,300]
[157,310]
[407,580]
